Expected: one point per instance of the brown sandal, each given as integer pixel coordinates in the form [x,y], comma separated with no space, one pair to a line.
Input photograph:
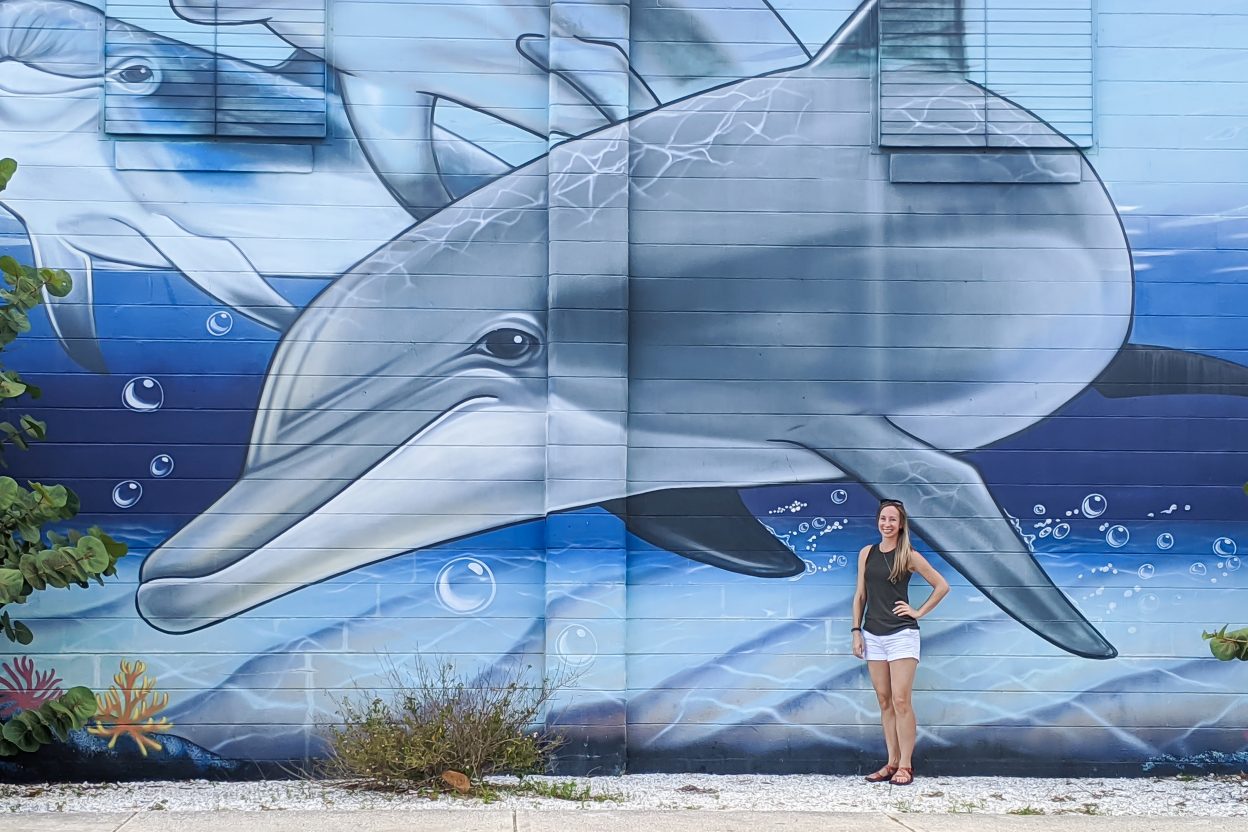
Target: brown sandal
[882,775]
[902,777]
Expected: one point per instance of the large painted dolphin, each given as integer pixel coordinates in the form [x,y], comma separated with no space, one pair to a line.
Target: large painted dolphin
[801,308]
[557,69]
[224,214]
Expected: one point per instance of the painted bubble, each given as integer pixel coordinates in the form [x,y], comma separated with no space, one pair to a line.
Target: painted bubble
[1061,530]
[577,645]
[219,323]
[1094,505]
[1224,546]
[1037,510]
[1146,571]
[819,522]
[161,465]
[1165,540]
[465,585]
[1149,602]
[1232,563]
[1045,532]
[126,494]
[839,496]
[802,528]
[1197,568]
[1117,536]
[841,560]
[143,394]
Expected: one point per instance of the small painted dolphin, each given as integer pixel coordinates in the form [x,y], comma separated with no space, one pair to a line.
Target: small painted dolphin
[794,315]
[224,214]
[549,71]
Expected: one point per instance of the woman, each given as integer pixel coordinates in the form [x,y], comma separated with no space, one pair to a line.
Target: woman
[889,637]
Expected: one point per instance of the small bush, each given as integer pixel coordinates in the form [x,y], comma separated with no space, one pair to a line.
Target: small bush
[432,720]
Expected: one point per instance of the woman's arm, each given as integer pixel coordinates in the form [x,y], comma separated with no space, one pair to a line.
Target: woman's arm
[940,588]
[860,601]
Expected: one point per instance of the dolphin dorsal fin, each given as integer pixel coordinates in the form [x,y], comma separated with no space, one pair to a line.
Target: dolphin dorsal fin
[931,28]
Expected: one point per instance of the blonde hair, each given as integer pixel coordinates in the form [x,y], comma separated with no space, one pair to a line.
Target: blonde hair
[901,555]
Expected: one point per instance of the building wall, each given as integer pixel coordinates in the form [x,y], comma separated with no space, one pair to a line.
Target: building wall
[584,339]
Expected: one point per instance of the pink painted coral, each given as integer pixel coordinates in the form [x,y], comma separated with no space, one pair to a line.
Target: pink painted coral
[23,687]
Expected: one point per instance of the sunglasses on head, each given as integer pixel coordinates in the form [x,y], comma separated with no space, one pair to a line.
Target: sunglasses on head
[889,502]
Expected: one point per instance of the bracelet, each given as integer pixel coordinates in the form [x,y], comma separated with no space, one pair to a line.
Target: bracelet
[855,629]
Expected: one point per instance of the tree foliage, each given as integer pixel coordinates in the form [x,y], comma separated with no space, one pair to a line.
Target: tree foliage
[33,558]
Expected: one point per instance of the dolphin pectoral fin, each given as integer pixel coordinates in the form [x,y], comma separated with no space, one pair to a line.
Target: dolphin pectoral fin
[1141,370]
[217,266]
[72,317]
[394,127]
[709,525]
[950,507]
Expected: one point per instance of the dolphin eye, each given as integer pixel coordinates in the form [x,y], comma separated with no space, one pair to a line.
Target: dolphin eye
[508,343]
[135,75]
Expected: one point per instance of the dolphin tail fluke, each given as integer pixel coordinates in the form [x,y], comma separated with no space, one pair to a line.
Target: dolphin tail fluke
[709,525]
[951,508]
[73,316]
[1142,370]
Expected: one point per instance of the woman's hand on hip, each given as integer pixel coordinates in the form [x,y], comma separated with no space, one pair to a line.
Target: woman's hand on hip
[905,610]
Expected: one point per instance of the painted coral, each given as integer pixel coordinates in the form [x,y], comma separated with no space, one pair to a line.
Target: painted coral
[129,709]
[23,687]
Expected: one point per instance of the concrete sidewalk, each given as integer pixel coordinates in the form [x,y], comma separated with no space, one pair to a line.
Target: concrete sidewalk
[592,820]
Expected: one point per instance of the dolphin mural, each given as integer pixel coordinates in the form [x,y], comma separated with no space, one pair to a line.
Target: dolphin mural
[801,308]
[509,59]
[203,208]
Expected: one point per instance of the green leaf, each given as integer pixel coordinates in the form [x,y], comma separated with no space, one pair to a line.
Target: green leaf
[12,584]
[22,634]
[10,389]
[8,167]
[81,702]
[29,532]
[92,554]
[18,731]
[33,427]
[1227,646]
[58,282]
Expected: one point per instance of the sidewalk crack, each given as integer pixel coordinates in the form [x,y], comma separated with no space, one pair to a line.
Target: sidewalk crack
[897,821]
[126,822]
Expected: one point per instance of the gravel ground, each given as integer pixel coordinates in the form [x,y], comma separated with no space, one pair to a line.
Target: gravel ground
[1210,795]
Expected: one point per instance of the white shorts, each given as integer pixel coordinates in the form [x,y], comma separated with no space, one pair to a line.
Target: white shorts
[903,645]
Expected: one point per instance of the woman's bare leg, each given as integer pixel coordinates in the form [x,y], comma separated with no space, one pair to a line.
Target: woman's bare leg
[901,684]
[881,680]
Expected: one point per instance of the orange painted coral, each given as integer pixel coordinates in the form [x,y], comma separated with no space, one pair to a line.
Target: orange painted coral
[123,709]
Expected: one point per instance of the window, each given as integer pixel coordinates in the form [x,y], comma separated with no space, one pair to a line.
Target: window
[985,73]
[173,77]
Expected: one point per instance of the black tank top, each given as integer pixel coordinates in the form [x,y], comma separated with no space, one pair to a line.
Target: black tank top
[883,595]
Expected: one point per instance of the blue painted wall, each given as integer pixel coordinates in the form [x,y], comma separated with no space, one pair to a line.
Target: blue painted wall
[586,337]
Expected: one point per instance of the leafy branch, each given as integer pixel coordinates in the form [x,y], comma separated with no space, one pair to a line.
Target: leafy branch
[1226,646]
[32,559]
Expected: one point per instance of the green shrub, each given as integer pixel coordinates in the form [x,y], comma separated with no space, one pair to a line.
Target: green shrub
[432,720]
[34,558]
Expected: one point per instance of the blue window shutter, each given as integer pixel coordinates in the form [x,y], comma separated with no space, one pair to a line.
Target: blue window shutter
[986,73]
[173,77]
